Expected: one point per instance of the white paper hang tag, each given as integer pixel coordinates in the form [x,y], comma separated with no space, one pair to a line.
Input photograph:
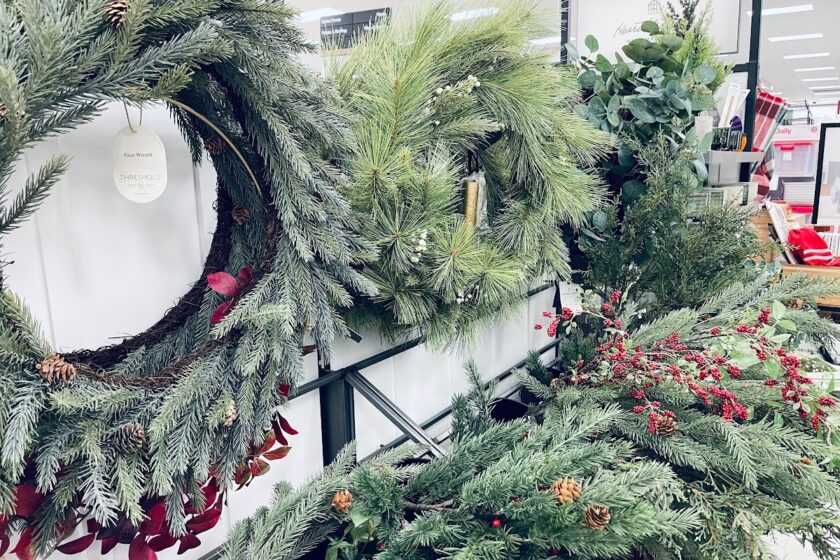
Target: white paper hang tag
[139,165]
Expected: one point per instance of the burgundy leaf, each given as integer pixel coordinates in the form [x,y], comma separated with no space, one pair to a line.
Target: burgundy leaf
[162,542]
[205,521]
[157,514]
[221,312]
[211,492]
[270,440]
[278,453]
[285,389]
[107,532]
[24,548]
[278,433]
[79,545]
[286,426]
[188,542]
[223,283]
[259,467]
[4,543]
[27,500]
[139,549]
[243,475]
[109,542]
[244,276]
[93,526]
[127,533]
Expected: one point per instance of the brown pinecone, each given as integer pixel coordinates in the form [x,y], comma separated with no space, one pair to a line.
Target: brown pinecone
[4,113]
[596,517]
[342,501]
[128,438]
[807,461]
[795,303]
[666,426]
[241,215]
[54,370]
[116,12]
[557,384]
[215,145]
[231,413]
[565,490]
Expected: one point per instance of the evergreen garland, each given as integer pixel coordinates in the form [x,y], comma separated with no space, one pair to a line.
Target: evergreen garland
[720,395]
[131,434]
[505,490]
[435,100]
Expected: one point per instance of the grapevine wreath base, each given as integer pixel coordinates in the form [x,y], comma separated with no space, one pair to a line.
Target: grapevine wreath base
[138,442]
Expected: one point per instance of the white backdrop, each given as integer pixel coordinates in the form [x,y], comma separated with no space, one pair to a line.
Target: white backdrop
[94,267]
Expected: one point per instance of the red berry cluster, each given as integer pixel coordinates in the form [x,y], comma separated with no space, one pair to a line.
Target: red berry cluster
[706,374]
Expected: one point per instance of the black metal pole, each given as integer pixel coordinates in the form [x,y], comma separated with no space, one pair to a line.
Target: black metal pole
[338,418]
[753,69]
[566,21]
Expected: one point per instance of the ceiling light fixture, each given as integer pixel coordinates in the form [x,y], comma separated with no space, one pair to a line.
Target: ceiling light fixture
[816,69]
[315,15]
[473,14]
[826,93]
[807,55]
[786,10]
[823,88]
[803,37]
[820,79]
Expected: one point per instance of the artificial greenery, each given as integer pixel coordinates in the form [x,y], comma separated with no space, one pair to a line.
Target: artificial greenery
[193,399]
[661,251]
[435,100]
[719,393]
[650,93]
[512,490]
[653,240]
[692,26]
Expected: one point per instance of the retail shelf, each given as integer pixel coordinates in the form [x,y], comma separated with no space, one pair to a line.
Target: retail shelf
[728,158]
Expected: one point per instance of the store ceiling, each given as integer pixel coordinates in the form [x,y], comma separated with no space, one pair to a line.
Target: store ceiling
[777,72]
[780,73]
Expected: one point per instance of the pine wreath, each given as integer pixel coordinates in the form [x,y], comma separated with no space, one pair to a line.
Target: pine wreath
[435,103]
[197,397]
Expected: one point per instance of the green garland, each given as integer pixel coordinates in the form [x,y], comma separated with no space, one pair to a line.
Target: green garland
[112,433]
[435,100]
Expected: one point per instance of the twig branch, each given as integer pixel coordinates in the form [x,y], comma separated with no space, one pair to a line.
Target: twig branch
[411,506]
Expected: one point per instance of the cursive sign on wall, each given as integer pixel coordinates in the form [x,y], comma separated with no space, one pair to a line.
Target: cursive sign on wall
[615,23]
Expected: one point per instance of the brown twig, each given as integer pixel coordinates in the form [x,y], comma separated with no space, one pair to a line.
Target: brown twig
[448,504]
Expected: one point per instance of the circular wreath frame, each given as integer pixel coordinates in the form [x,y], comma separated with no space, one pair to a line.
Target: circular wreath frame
[142,438]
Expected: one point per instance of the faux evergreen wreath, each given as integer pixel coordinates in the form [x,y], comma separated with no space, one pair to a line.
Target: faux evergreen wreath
[437,101]
[142,436]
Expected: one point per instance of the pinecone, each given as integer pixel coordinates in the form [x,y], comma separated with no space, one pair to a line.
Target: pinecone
[116,12]
[241,215]
[54,370]
[666,426]
[557,384]
[215,145]
[342,501]
[128,438]
[596,517]
[807,461]
[4,113]
[230,413]
[565,490]
[795,303]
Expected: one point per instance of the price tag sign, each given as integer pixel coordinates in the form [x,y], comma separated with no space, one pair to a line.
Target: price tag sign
[139,165]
